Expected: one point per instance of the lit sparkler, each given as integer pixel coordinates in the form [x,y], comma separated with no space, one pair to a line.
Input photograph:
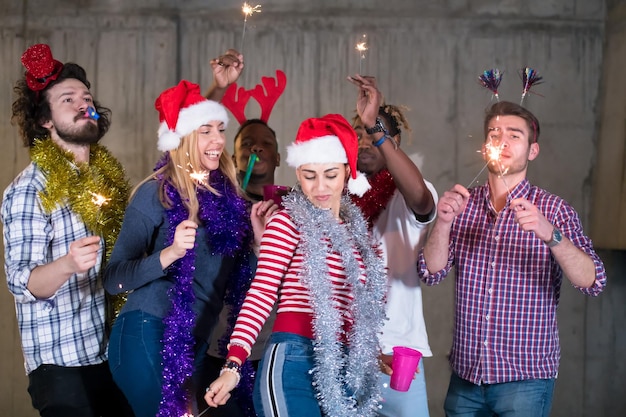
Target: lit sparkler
[199,176]
[493,154]
[98,199]
[247,11]
[362,48]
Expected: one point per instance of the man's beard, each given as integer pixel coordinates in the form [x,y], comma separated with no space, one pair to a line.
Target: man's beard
[85,135]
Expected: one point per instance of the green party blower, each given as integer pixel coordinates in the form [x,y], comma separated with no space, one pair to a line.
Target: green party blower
[253,158]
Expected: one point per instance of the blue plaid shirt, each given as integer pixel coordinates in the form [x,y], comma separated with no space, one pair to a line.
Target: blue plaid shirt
[66,329]
[508,287]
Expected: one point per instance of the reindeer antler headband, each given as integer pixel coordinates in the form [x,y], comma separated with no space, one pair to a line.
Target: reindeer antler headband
[236,98]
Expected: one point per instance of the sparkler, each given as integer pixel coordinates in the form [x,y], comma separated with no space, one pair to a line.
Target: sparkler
[253,158]
[362,48]
[247,11]
[200,177]
[99,200]
[493,153]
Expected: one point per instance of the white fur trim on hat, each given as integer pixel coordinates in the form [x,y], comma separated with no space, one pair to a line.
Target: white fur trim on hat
[189,119]
[168,140]
[359,185]
[322,150]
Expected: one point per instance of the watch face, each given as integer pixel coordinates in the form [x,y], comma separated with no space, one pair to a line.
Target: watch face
[556,235]
[556,238]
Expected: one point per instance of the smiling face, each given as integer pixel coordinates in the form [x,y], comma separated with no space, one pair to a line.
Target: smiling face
[211,141]
[323,184]
[68,100]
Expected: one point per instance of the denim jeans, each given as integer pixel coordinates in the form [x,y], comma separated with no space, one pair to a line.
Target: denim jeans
[284,384]
[527,398]
[135,361]
[412,403]
[86,391]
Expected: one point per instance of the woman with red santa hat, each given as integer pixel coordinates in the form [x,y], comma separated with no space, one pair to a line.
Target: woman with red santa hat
[186,233]
[317,262]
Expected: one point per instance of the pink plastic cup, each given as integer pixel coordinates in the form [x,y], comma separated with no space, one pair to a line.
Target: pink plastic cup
[404,365]
[276,193]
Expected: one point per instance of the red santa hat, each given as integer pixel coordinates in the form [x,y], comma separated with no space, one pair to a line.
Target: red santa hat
[328,139]
[182,109]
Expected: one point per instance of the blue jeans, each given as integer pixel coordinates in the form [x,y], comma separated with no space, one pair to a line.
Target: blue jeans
[284,384]
[527,398]
[135,361]
[412,403]
[86,391]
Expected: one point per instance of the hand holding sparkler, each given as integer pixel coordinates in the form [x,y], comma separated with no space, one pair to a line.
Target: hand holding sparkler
[452,203]
[83,254]
[226,70]
[369,99]
[247,11]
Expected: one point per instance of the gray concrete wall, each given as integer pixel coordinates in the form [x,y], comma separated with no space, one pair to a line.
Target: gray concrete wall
[426,54]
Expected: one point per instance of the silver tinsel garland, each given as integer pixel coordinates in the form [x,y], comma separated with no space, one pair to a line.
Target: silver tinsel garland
[344,377]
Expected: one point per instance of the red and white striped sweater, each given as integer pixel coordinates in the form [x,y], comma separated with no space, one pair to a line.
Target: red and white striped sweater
[278,278]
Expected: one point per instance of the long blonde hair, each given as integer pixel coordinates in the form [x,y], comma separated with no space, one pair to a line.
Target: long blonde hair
[176,172]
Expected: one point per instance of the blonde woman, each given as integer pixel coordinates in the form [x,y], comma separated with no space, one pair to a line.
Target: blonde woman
[187,232]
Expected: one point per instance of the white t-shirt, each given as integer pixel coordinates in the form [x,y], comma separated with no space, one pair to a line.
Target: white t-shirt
[401,236]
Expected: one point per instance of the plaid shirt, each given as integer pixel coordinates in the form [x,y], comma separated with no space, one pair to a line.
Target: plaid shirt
[66,329]
[507,288]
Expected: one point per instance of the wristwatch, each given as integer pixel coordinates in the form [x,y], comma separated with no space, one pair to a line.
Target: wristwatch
[557,237]
[378,127]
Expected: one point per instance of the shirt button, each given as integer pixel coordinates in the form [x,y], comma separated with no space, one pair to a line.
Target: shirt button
[497,238]
[490,291]
[493,264]
[487,317]
[485,343]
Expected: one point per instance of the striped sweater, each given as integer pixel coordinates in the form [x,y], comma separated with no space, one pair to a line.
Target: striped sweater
[278,279]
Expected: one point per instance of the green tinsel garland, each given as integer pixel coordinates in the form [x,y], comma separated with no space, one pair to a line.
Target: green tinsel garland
[75,184]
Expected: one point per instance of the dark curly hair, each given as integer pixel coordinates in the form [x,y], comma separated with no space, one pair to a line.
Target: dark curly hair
[31,108]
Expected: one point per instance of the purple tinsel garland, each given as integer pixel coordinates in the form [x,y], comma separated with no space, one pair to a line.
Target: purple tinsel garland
[225,218]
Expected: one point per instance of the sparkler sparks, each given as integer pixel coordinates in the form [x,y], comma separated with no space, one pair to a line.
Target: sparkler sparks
[247,11]
[98,199]
[362,48]
[493,153]
[198,176]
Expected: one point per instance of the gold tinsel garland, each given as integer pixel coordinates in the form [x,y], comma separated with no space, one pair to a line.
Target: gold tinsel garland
[78,185]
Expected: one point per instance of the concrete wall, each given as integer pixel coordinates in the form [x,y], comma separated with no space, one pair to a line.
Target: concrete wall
[426,55]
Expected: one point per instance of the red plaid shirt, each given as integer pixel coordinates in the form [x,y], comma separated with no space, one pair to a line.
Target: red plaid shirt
[508,288]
